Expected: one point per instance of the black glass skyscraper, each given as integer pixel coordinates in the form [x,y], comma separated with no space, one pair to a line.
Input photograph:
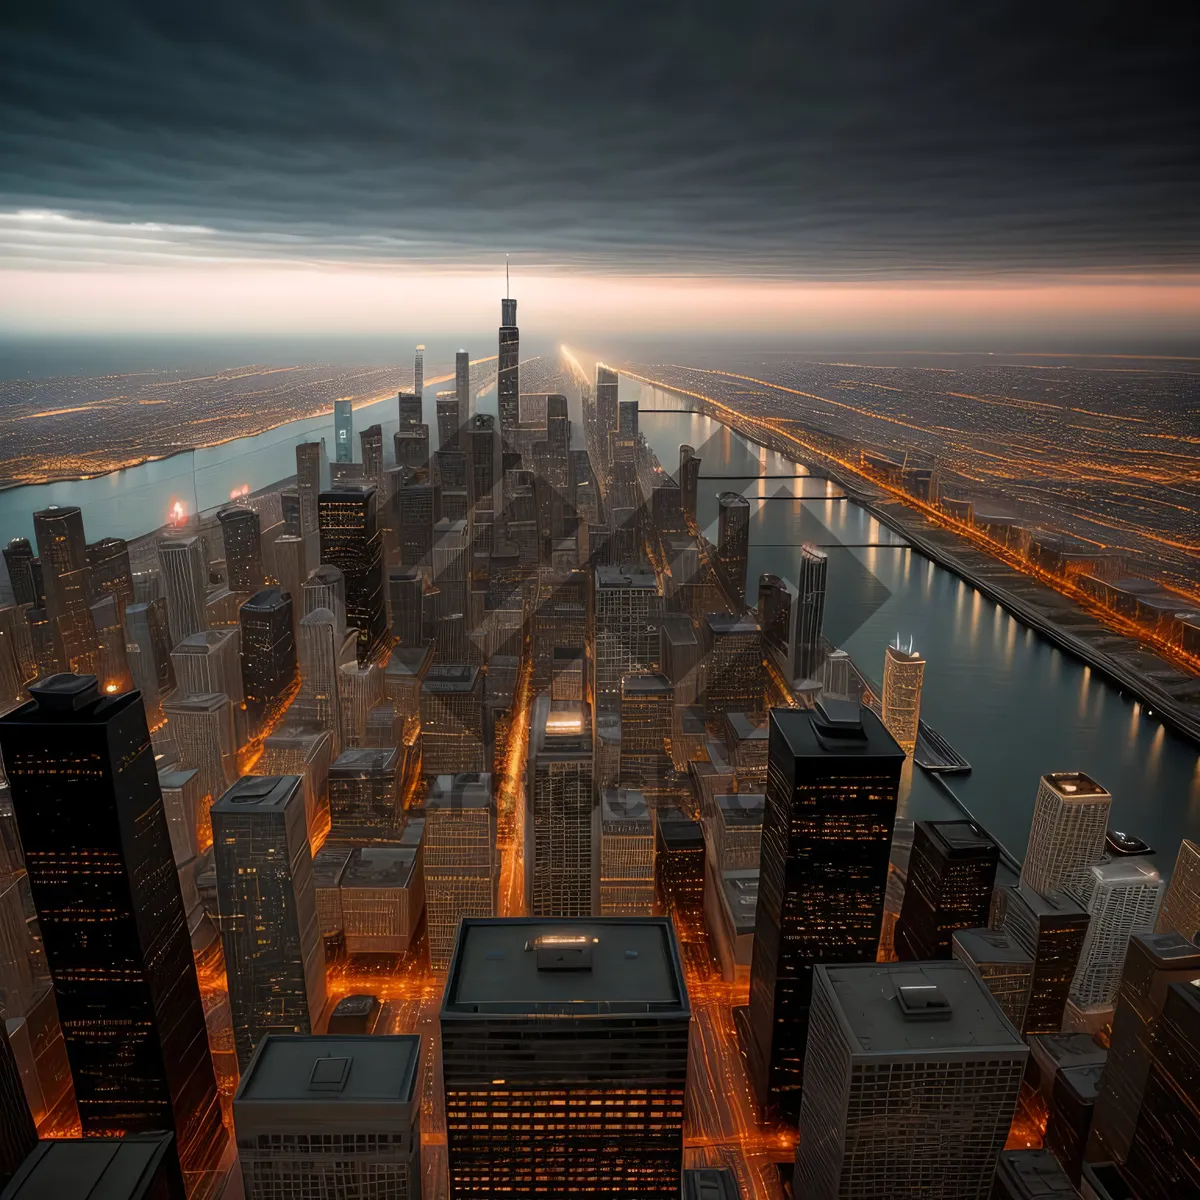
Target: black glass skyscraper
[18,1134]
[268,652]
[833,776]
[352,541]
[242,539]
[98,852]
[508,383]
[950,878]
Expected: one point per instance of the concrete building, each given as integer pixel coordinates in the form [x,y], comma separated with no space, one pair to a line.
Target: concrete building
[912,1081]
[537,1014]
[730,908]
[136,1166]
[627,606]
[903,674]
[185,581]
[382,898]
[331,1116]
[1003,965]
[626,854]
[1180,911]
[1070,818]
[452,720]
[364,799]
[733,667]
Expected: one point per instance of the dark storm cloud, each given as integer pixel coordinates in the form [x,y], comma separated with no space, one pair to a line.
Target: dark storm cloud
[837,139]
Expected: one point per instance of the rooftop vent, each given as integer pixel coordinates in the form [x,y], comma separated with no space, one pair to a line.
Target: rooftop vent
[329,1074]
[921,1000]
[563,952]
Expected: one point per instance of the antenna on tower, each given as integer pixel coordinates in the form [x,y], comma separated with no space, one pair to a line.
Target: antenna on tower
[507,294]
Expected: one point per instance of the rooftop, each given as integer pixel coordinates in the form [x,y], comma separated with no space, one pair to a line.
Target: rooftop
[1073,785]
[451,677]
[710,1183]
[69,698]
[960,838]
[741,897]
[328,864]
[679,832]
[175,778]
[990,946]
[468,789]
[646,685]
[725,623]
[920,1009]
[199,643]
[744,727]
[363,759]
[264,793]
[626,577]
[380,866]
[624,804]
[323,1070]
[742,808]
[834,727]
[91,1168]
[626,965]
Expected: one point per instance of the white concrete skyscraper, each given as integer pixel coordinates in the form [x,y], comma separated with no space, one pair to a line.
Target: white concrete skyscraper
[185,579]
[1070,817]
[1121,899]
[1180,912]
[903,674]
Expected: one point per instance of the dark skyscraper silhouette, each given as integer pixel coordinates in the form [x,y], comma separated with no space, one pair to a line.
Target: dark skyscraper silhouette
[18,558]
[832,785]
[733,539]
[268,652]
[18,1134]
[508,384]
[242,539]
[97,848]
[352,541]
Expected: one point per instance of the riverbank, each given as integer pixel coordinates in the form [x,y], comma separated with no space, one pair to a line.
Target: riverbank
[1151,680]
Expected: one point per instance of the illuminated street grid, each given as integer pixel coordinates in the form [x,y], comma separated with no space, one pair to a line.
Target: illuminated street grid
[1109,452]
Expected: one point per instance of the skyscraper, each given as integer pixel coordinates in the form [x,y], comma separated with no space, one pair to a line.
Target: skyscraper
[352,541]
[148,652]
[268,654]
[419,373]
[912,1082]
[364,803]
[452,720]
[325,587]
[1051,932]
[733,540]
[1070,817]
[810,611]
[559,828]
[627,609]
[689,481]
[461,862]
[415,504]
[482,449]
[1121,899]
[242,540]
[1180,912]
[209,662]
[18,558]
[733,664]
[607,391]
[274,958]
[331,1116]
[951,873]
[18,1134]
[312,471]
[579,1026]
[185,580]
[1005,968]
[322,650]
[449,421]
[112,575]
[137,1166]
[508,383]
[1153,963]
[202,727]
[62,552]
[343,430]
[406,590]
[626,854]
[832,786]
[462,386]
[903,673]
[102,875]
[647,703]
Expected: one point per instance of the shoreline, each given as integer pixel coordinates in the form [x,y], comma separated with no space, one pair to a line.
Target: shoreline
[1183,719]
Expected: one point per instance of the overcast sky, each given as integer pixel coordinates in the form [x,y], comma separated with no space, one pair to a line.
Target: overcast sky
[160,152]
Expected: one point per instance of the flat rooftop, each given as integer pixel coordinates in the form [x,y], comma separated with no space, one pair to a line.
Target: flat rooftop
[329,863]
[390,865]
[260,793]
[468,789]
[366,759]
[91,1168]
[741,898]
[625,577]
[742,808]
[623,804]
[745,728]
[991,946]
[678,832]
[451,677]
[647,685]
[201,643]
[723,623]
[841,728]
[323,1070]
[176,777]
[962,839]
[634,967]
[917,1008]
[1073,785]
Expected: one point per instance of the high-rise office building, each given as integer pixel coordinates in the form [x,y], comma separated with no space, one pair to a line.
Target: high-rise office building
[364,803]
[209,662]
[325,587]
[1051,932]
[312,477]
[1180,911]
[383,898]
[19,558]
[1031,1175]
[607,390]
[560,874]
[62,552]
[291,569]
[1070,818]
[1162,1161]
[452,720]
[137,1166]
[1121,898]
[733,665]
[148,652]
[295,750]
[951,873]
[274,959]
[912,1082]
[409,409]
[1153,963]
[647,705]
[508,381]
[202,727]
[360,689]
[102,875]
[323,649]
[1004,966]
[733,540]
[810,611]
[371,443]
[112,575]
[416,505]
[581,1026]
[18,1134]
[268,654]
[289,504]
[903,674]
[626,854]
[330,1117]
[411,447]
[111,661]
[462,385]
[352,541]
[185,581]
[406,591]
[483,448]
[449,422]
[419,372]
[627,609]
[242,540]
[343,431]
[461,861]
[832,786]
[689,481]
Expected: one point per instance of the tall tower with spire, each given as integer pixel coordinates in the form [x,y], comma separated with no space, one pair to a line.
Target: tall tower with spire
[508,383]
